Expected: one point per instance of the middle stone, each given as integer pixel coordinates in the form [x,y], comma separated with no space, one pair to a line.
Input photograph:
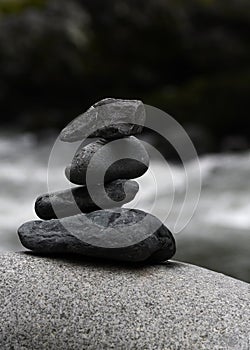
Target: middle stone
[125,158]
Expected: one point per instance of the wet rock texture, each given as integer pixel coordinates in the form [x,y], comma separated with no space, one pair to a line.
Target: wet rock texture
[73,201]
[89,220]
[109,118]
[123,234]
[123,168]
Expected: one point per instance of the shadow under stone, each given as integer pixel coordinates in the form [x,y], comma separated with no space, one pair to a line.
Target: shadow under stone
[80,260]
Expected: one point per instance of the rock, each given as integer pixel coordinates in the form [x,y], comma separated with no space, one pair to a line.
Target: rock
[123,234]
[109,118]
[119,153]
[61,304]
[70,202]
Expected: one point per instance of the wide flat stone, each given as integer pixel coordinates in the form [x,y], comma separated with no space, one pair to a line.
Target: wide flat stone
[61,304]
[119,234]
[120,159]
[73,201]
[109,118]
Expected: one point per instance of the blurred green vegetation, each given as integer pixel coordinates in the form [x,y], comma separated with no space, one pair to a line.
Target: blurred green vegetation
[16,6]
[188,57]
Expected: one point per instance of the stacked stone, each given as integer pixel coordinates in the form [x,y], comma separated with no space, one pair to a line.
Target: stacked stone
[114,232]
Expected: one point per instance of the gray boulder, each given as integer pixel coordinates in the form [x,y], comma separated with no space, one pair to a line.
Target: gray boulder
[61,304]
[109,118]
[120,159]
[73,201]
[120,234]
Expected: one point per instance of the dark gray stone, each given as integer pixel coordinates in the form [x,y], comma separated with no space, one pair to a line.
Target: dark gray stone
[120,234]
[70,202]
[124,168]
[109,118]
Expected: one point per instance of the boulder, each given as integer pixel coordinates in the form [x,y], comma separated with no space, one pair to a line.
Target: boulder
[60,304]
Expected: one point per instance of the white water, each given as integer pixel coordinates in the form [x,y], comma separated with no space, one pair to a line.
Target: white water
[218,235]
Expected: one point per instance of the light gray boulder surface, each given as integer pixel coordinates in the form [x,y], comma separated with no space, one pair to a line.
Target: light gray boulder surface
[60,304]
[109,118]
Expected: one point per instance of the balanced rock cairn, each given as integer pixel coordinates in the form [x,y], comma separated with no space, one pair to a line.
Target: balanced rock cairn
[114,233]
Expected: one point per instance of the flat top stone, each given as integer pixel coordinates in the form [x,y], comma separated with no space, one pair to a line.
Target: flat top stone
[77,304]
[107,113]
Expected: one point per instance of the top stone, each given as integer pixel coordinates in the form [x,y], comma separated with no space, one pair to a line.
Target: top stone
[109,118]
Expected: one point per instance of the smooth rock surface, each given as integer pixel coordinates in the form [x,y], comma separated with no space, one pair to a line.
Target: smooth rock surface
[123,234]
[109,118]
[70,202]
[119,155]
[63,304]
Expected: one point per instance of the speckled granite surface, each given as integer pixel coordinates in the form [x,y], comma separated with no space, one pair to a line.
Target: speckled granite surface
[49,303]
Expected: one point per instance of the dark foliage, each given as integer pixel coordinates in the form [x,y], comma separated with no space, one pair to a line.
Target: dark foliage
[188,57]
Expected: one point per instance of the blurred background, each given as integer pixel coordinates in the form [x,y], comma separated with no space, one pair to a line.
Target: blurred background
[189,58]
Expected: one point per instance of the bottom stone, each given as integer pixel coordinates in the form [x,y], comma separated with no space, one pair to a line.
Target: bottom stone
[119,234]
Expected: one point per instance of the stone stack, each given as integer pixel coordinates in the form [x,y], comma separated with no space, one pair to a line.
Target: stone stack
[113,232]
